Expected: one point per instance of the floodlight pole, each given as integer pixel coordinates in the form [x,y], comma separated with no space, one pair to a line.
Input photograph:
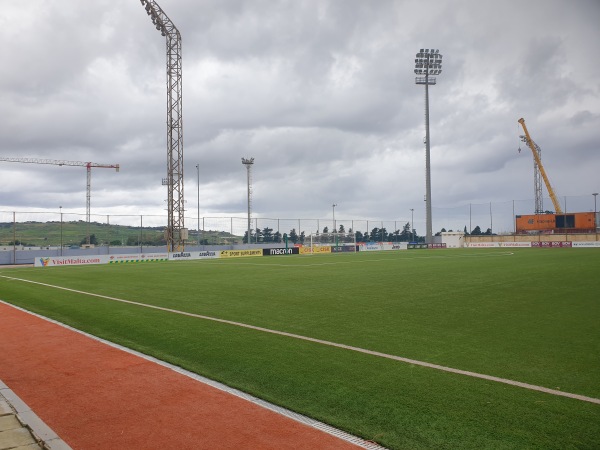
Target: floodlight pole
[428,62]
[61,231]
[248,163]
[198,178]
[595,194]
[333,206]
[412,226]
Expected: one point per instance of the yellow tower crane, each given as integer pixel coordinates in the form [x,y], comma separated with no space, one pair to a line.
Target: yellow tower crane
[538,161]
[88,165]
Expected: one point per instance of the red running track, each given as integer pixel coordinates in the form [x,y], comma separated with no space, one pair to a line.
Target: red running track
[95,396]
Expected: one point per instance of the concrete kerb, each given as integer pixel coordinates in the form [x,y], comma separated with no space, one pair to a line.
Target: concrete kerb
[40,435]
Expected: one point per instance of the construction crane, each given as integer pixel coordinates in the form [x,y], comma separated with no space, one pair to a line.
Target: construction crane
[538,161]
[88,165]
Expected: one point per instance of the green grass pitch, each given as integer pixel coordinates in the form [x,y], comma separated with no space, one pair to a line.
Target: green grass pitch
[529,315]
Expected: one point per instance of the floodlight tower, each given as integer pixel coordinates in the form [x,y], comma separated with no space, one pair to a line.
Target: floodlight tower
[248,163]
[176,231]
[428,62]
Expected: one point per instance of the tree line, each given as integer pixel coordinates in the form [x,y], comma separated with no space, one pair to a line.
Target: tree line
[268,235]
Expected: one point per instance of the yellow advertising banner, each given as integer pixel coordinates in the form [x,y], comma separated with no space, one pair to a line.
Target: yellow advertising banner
[240,253]
[315,250]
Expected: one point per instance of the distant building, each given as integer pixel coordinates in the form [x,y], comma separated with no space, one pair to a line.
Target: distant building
[453,239]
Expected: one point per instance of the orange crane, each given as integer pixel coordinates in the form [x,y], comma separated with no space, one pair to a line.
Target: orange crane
[532,145]
[87,165]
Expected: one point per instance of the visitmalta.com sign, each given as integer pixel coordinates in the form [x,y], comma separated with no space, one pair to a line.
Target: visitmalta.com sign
[53,261]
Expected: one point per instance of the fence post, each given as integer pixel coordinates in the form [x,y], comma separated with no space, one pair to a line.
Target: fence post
[108,236]
[470,224]
[61,231]
[514,221]
[14,237]
[141,232]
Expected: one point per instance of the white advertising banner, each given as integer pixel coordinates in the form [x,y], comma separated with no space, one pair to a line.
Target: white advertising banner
[586,244]
[185,256]
[370,247]
[482,244]
[51,261]
[514,244]
[137,257]
[394,245]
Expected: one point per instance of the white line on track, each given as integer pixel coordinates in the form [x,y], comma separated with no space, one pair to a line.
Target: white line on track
[330,344]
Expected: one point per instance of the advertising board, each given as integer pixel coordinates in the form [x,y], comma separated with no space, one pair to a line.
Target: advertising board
[280,251]
[588,244]
[417,246]
[343,248]
[482,244]
[52,261]
[137,257]
[438,245]
[548,244]
[393,245]
[315,250]
[99,259]
[514,244]
[370,247]
[241,253]
[184,256]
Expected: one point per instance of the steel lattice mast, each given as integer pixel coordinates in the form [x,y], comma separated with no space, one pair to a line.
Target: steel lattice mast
[537,178]
[176,231]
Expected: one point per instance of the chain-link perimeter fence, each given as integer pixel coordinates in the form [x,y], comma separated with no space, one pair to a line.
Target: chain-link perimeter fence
[65,229]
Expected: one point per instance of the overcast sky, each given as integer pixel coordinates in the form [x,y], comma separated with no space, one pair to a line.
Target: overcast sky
[320,92]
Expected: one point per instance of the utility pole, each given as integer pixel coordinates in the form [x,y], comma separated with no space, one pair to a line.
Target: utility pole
[248,163]
[198,173]
[412,226]
[334,227]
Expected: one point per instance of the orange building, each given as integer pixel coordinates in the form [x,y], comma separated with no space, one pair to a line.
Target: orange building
[558,223]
